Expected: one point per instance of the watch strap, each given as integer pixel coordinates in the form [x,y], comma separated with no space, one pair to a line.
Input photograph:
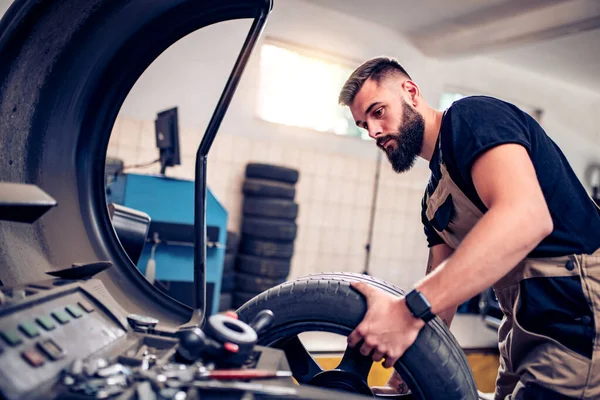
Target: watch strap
[419,306]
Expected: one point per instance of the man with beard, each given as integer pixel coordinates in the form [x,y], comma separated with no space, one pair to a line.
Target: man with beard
[502,208]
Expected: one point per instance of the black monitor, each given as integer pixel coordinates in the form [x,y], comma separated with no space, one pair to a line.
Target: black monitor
[167,138]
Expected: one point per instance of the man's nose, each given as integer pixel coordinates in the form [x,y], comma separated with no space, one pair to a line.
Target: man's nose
[374,132]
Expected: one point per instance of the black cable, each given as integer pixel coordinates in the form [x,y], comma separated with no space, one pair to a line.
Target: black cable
[140,165]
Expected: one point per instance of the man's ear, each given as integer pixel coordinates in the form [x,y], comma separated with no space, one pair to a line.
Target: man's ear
[413,91]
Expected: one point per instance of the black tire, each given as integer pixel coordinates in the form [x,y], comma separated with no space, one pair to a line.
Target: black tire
[225,301]
[255,284]
[268,267]
[270,208]
[229,263]
[278,229]
[232,242]
[228,282]
[267,248]
[434,367]
[240,298]
[61,88]
[264,188]
[272,172]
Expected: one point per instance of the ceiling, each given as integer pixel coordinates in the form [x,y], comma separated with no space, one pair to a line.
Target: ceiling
[557,38]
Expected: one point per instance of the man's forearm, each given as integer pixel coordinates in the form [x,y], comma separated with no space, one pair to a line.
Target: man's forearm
[497,243]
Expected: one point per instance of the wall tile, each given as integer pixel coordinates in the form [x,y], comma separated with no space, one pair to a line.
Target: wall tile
[276,155]
[259,152]
[128,154]
[363,195]
[319,191]
[336,168]
[291,157]
[130,132]
[147,139]
[308,162]
[313,239]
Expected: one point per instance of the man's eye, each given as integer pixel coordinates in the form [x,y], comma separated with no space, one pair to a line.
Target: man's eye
[378,112]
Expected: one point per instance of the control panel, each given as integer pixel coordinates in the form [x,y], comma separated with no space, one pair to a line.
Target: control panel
[69,339]
[44,327]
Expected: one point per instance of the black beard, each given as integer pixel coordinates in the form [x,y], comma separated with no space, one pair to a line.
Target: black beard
[409,140]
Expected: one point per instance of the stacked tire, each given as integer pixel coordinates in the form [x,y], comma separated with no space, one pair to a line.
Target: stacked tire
[228,277]
[269,229]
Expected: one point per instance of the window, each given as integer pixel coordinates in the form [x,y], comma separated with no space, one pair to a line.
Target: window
[300,89]
[449,97]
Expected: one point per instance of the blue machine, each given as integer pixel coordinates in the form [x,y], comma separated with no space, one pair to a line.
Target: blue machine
[170,204]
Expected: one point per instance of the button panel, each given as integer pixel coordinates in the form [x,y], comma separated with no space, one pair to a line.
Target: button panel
[46,322]
[74,310]
[86,306]
[51,349]
[29,329]
[41,336]
[33,357]
[61,316]
[11,337]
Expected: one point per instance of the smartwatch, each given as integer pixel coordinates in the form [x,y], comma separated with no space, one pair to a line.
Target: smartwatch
[418,305]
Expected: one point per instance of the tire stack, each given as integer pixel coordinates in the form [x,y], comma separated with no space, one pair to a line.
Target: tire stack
[228,277]
[268,230]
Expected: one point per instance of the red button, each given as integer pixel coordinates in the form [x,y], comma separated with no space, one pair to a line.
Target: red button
[231,347]
[232,314]
[34,358]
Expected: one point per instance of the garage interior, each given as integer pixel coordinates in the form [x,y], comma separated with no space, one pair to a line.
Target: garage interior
[121,119]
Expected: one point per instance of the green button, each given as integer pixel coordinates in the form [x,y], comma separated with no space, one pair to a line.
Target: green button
[46,322]
[75,311]
[61,316]
[29,329]
[11,337]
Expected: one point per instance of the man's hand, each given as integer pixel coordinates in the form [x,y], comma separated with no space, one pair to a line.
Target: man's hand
[388,328]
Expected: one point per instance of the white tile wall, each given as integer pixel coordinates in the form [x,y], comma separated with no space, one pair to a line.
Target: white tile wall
[334,193]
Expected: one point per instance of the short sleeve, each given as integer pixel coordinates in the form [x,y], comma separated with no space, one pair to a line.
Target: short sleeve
[479,124]
[433,238]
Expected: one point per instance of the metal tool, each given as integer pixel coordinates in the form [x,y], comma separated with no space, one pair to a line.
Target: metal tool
[243,374]
[226,341]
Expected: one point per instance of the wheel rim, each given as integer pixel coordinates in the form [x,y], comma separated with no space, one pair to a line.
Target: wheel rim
[352,366]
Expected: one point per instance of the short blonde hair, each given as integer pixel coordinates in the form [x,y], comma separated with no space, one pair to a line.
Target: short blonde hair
[376,68]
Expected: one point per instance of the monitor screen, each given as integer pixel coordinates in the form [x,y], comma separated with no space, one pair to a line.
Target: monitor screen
[167,138]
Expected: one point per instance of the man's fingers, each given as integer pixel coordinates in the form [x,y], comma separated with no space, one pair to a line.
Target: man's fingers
[354,338]
[363,288]
[390,360]
[366,348]
[378,356]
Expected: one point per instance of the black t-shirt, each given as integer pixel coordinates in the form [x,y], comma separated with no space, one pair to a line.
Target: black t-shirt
[475,124]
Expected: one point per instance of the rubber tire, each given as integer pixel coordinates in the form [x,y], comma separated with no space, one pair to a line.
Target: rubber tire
[270,208]
[229,263]
[255,284]
[434,364]
[272,172]
[228,282]
[232,242]
[267,248]
[268,267]
[225,301]
[241,298]
[265,188]
[264,228]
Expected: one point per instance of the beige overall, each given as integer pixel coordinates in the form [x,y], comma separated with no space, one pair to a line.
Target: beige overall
[528,358]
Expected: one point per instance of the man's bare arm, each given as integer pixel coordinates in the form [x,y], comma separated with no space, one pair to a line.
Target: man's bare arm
[437,254]
[516,221]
